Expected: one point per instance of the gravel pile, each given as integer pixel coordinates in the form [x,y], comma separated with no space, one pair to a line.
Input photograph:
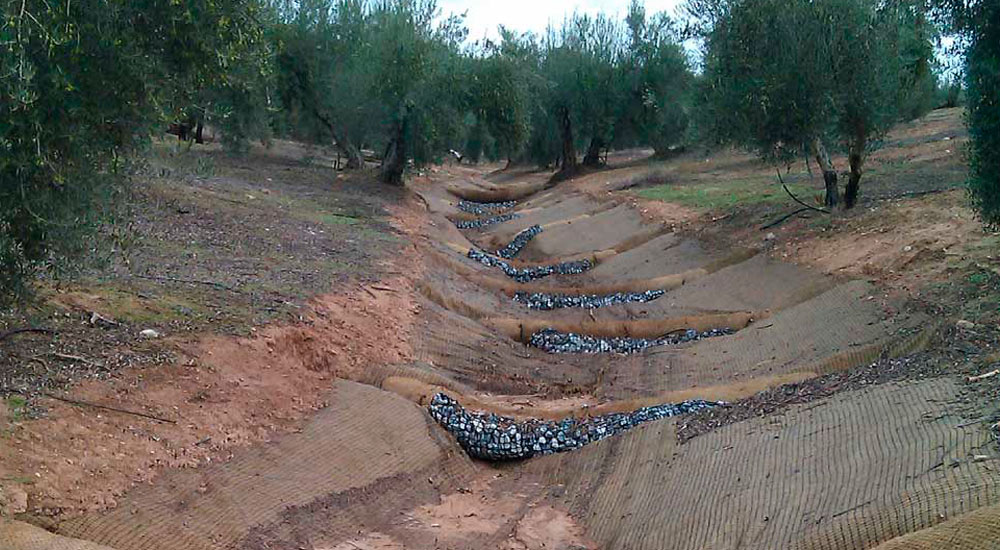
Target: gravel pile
[554,341]
[542,301]
[530,273]
[485,222]
[483,208]
[491,437]
[519,242]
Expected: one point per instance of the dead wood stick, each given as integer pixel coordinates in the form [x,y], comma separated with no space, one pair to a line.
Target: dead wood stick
[782,219]
[83,360]
[368,290]
[189,281]
[979,420]
[849,510]
[9,333]
[383,288]
[982,377]
[107,408]
[796,199]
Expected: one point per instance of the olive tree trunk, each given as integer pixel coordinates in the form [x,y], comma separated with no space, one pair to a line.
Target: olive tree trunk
[394,160]
[568,149]
[856,158]
[342,143]
[829,173]
[593,157]
[347,148]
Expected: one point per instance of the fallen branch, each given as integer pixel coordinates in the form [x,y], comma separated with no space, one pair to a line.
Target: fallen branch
[782,219]
[107,408]
[849,510]
[796,199]
[384,288]
[9,333]
[77,358]
[979,420]
[370,293]
[188,281]
[912,194]
[982,377]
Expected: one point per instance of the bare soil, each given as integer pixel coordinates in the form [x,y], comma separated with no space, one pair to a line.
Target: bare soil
[297,419]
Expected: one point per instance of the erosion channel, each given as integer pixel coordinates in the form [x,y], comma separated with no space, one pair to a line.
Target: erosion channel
[581,378]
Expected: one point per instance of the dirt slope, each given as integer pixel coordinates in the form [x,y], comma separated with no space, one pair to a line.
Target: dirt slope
[317,435]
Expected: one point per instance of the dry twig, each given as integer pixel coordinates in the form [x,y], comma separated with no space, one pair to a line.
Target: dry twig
[9,333]
[107,408]
[982,377]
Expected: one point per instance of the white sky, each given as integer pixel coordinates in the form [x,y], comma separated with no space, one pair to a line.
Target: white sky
[533,15]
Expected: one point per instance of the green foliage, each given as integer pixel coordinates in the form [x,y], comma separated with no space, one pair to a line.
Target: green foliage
[766,84]
[350,70]
[780,75]
[983,110]
[377,74]
[83,83]
[499,94]
[658,84]
[17,407]
[622,83]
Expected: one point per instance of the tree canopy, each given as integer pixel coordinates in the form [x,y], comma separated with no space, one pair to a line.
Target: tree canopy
[979,21]
[791,79]
[83,85]
[87,83]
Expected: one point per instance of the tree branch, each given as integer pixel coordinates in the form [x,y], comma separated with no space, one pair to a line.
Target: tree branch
[107,408]
[9,333]
[796,199]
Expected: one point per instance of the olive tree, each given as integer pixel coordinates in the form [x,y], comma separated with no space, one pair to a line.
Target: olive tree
[579,96]
[978,23]
[657,84]
[499,95]
[789,79]
[83,85]
[323,74]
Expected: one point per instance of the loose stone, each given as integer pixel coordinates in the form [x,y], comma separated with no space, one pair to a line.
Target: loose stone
[527,274]
[519,242]
[554,341]
[485,222]
[542,301]
[483,208]
[480,433]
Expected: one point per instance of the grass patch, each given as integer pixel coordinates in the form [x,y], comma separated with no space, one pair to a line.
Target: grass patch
[17,407]
[124,305]
[23,480]
[976,283]
[311,211]
[726,194]
[173,158]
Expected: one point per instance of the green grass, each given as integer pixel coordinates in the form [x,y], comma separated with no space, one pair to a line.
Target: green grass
[726,194]
[17,406]
[171,158]
[310,211]
[23,480]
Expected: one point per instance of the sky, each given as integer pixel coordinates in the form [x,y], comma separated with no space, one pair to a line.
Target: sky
[534,15]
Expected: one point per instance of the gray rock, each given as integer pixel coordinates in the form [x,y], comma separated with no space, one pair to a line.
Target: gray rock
[543,437]
[530,273]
